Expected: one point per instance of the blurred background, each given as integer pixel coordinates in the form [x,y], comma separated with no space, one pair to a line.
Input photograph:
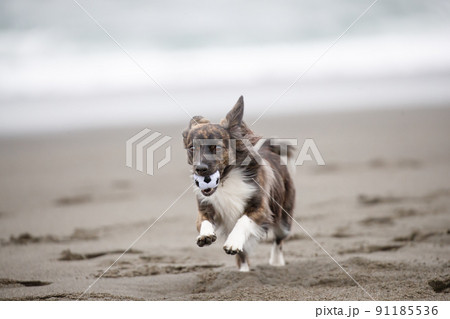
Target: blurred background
[60,71]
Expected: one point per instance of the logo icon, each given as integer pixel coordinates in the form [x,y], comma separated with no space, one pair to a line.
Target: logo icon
[141,145]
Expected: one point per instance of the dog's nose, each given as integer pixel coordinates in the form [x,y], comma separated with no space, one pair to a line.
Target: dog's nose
[201,168]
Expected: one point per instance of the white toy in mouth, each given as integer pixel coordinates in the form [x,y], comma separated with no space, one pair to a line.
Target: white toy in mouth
[207,182]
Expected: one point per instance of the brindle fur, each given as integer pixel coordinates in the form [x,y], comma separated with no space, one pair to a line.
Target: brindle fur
[263,209]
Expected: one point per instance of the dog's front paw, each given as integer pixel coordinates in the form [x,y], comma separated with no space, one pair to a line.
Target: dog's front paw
[207,240]
[232,248]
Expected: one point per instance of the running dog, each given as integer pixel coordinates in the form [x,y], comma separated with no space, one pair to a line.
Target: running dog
[245,191]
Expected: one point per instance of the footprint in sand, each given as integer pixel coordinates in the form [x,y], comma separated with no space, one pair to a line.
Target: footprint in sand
[67,255]
[370,200]
[367,200]
[74,200]
[76,296]
[437,237]
[368,249]
[27,238]
[377,221]
[440,284]
[119,194]
[133,270]
[378,163]
[9,283]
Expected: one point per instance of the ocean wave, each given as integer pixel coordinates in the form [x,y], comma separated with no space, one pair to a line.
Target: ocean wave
[39,70]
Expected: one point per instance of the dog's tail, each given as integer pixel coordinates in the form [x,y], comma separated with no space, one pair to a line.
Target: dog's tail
[289,160]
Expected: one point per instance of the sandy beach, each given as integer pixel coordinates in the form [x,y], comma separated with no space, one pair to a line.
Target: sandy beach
[380,206]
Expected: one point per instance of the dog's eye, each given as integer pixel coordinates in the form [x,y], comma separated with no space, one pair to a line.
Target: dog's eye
[214,149]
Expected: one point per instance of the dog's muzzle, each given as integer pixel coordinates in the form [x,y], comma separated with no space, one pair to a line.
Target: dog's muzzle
[207,184]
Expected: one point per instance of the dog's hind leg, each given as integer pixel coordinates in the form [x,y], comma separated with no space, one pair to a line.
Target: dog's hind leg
[276,254]
[283,226]
[242,261]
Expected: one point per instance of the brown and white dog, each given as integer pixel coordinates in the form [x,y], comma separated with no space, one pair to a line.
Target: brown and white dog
[250,194]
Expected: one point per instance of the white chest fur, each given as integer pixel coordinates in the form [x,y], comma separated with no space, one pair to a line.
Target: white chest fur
[229,200]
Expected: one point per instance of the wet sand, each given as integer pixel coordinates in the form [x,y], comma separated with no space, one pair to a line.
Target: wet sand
[380,206]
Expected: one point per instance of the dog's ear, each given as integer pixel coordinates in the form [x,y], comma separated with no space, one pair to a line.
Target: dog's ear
[196,120]
[185,135]
[233,120]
